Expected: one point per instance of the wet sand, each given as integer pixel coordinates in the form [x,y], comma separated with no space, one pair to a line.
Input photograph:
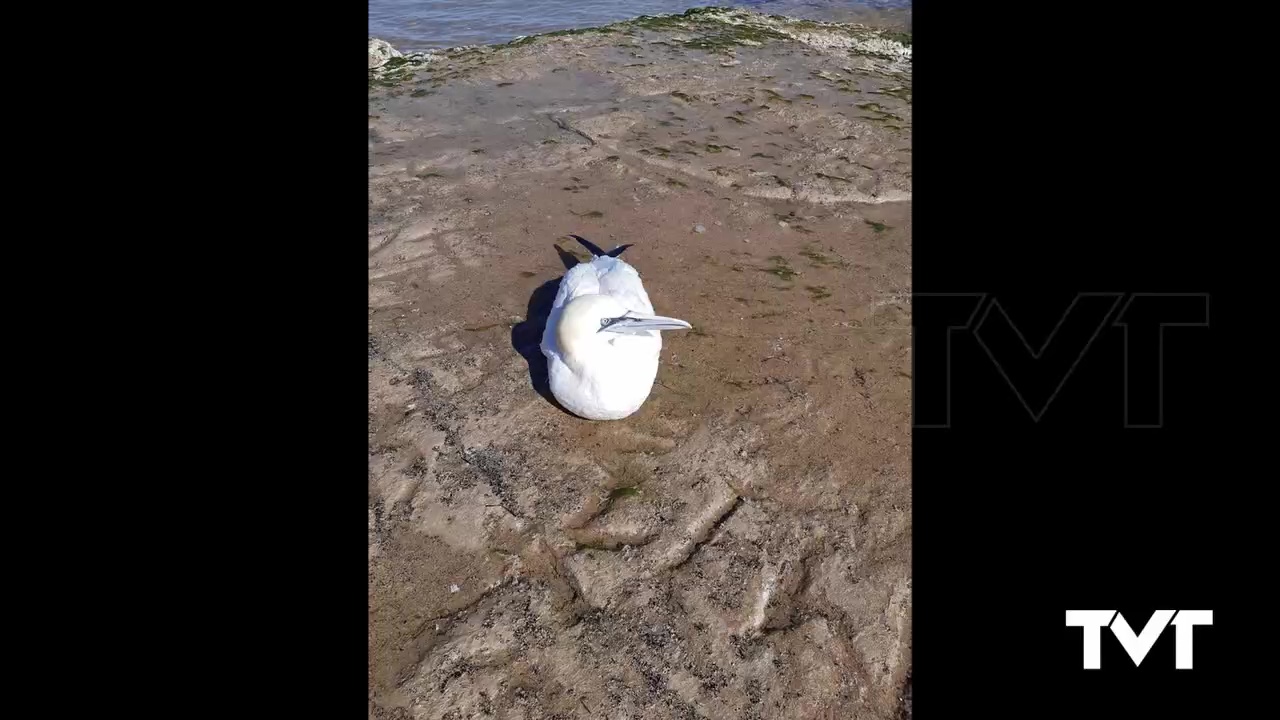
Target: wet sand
[739,548]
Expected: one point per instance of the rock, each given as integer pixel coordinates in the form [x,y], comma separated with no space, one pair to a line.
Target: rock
[699,229]
[380,51]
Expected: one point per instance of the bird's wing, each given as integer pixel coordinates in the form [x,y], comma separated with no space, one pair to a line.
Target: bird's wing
[603,275]
[617,278]
[581,279]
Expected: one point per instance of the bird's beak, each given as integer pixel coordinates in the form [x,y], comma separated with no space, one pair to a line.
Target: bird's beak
[634,323]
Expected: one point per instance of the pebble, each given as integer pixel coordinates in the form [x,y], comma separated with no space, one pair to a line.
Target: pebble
[699,229]
[454,588]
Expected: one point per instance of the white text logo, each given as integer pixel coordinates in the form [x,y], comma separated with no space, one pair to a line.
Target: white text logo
[1137,645]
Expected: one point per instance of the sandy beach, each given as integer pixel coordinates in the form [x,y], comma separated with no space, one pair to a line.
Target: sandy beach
[740,547]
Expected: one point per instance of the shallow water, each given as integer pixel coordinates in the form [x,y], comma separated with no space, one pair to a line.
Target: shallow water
[432,24]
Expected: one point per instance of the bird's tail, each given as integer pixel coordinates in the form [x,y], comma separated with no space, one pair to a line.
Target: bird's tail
[595,249]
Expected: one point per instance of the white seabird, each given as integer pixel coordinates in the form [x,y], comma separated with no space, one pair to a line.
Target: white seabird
[602,340]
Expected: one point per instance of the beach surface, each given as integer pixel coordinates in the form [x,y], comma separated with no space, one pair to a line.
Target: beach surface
[412,25]
[738,548]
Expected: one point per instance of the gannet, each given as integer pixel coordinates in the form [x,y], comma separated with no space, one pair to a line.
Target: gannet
[602,340]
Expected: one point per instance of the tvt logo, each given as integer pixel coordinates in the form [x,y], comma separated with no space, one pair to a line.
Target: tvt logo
[1138,645]
[1037,372]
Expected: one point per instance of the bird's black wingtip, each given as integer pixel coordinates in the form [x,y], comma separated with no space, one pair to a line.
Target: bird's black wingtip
[595,249]
[590,246]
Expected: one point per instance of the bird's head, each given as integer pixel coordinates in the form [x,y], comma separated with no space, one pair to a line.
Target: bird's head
[592,325]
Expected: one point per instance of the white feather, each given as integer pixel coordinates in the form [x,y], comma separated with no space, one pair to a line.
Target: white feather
[607,376]
[608,276]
